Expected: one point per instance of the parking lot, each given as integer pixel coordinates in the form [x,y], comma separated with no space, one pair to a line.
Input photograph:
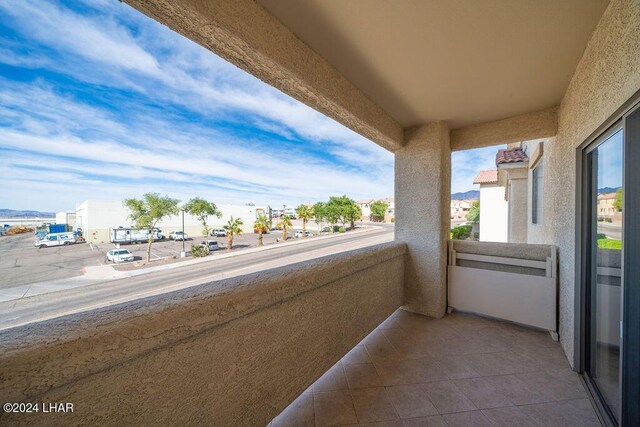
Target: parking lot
[21,263]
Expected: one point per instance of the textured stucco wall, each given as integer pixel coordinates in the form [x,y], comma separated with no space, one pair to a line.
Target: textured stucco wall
[606,77]
[541,232]
[538,124]
[235,352]
[246,35]
[518,210]
[422,196]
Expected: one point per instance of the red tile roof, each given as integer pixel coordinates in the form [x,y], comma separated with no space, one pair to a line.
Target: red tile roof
[514,155]
[487,177]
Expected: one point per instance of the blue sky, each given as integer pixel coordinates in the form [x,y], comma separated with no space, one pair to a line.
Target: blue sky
[99,101]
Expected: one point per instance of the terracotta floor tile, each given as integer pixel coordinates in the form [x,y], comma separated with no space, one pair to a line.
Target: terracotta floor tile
[334,408]
[394,373]
[362,375]
[467,419]
[373,404]
[483,393]
[511,416]
[446,397]
[565,413]
[410,401]
[467,369]
[432,421]
[333,379]
[299,413]
[357,355]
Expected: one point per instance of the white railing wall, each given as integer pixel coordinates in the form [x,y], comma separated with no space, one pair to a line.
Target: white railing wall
[515,282]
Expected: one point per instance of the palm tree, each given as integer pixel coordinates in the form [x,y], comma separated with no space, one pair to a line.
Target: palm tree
[305,213]
[233,228]
[261,226]
[285,223]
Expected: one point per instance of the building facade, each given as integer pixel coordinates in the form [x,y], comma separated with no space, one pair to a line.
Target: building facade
[494,209]
[97,217]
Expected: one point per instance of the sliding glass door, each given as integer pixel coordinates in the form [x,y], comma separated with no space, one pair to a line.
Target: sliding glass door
[605,215]
[610,302]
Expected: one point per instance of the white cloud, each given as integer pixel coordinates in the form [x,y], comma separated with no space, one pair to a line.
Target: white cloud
[150,142]
[466,164]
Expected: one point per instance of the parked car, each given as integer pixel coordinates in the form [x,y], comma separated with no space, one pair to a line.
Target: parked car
[119,255]
[211,244]
[299,234]
[178,235]
[219,232]
[55,239]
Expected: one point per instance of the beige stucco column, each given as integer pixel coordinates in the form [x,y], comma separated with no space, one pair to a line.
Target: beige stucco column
[422,196]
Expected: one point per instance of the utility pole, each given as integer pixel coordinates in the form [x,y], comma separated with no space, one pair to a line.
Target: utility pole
[183,254]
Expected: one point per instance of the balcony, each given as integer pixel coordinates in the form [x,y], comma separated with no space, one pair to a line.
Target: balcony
[238,352]
[459,370]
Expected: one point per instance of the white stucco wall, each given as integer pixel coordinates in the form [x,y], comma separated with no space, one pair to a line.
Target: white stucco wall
[493,214]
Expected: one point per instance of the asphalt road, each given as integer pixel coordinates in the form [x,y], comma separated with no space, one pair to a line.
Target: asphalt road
[49,305]
[611,231]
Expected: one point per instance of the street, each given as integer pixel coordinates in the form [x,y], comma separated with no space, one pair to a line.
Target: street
[23,264]
[78,294]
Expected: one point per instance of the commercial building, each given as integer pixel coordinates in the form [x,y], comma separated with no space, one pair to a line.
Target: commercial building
[68,218]
[97,217]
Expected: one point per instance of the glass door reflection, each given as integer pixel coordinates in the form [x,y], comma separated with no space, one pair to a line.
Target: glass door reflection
[604,286]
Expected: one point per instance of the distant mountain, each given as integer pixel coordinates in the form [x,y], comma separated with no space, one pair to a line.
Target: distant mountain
[10,213]
[606,190]
[467,195]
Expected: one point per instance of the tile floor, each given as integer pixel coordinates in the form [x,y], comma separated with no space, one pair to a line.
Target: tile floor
[462,370]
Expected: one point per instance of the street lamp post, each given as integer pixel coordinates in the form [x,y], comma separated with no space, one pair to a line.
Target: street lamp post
[183,254]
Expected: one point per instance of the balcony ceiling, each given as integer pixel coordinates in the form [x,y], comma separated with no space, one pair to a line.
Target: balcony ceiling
[463,61]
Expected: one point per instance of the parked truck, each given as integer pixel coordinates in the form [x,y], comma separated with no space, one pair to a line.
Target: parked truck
[55,239]
[134,235]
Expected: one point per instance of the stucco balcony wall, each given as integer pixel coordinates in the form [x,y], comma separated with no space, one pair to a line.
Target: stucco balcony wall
[234,352]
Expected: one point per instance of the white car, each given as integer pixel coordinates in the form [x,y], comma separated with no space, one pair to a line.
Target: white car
[219,232]
[119,255]
[211,244]
[299,234]
[178,235]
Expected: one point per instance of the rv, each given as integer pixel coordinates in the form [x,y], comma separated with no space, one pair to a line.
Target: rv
[134,235]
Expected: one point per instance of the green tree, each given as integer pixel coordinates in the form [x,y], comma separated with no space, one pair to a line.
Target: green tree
[285,224]
[202,210]
[234,228]
[319,214]
[261,225]
[342,209]
[378,210]
[149,210]
[462,232]
[473,216]
[617,203]
[305,213]
[353,213]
